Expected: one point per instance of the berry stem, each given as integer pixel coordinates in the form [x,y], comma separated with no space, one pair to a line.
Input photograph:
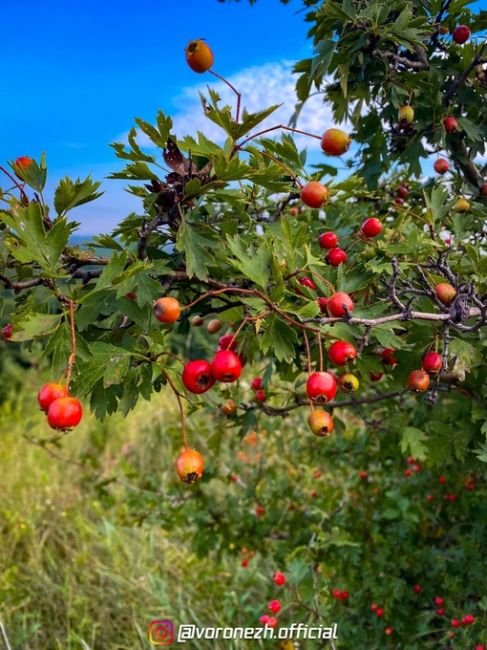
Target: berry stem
[308,353]
[239,95]
[72,356]
[17,185]
[320,350]
[181,409]
[274,128]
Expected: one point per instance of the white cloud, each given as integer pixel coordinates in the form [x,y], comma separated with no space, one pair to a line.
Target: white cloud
[260,86]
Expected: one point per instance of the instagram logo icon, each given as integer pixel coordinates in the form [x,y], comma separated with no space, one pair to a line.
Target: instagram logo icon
[161,632]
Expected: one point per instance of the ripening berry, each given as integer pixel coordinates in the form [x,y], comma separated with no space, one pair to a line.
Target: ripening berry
[259,510]
[371,227]
[199,56]
[462,205]
[335,142]
[336,257]
[461,34]
[321,423]
[450,124]
[419,381]
[389,631]
[50,392]
[214,326]
[21,164]
[190,465]
[441,166]
[349,383]
[244,563]
[64,413]
[226,366]
[406,115]
[432,362]
[339,304]
[328,240]
[314,194]
[167,309]
[197,376]
[308,282]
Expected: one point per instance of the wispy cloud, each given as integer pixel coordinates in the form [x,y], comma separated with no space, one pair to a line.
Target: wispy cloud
[260,87]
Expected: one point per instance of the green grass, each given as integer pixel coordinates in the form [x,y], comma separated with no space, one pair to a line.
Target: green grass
[75,570]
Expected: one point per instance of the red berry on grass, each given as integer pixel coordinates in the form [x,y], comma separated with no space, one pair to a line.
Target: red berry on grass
[340,352]
[340,303]
[328,240]
[197,376]
[321,387]
[279,579]
[7,332]
[336,257]
[50,392]
[226,366]
[64,413]
[371,227]
[274,606]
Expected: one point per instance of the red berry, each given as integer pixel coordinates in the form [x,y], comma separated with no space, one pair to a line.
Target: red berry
[445,293]
[197,377]
[264,619]
[308,282]
[314,194]
[64,413]
[274,606]
[344,595]
[336,257]
[341,352]
[335,142]
[429,497]
[375,376]
[321,423]
[374,607]
[279,579]
[389,631]
[388,356]
[439,601]
[7,332]
[340,303]
[442,480]
[441,166]
[336,593]
[317,473]
[480,646]
[441,611]
[260,395]
[417,589]
[362,475]
[256,383]
[402,191]
[418,380]
[468,619]
[244,563]
[450,497]
[398,200]
[313,494]
[323,305]
[461,34]
[227,342]
[455,622]
[379,612]
[321,387]
[371,227]
[226,366]
[432,362]
[272,621]
[328,240]
[259,511]
[483,189]
[50,392]
[450,124]
[21,164]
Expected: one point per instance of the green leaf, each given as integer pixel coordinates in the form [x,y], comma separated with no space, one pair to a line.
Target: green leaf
[253,263]
[412,441]
[281,338]
[195,247]
[70,194]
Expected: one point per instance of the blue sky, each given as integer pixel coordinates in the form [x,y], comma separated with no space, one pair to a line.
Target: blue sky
[79,72]
[76,73]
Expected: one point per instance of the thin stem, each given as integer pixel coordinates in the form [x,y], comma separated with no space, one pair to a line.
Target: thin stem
[15,182]
[320,350]
[72,356]
[239,95]
[274,128]
[181,409]
[308,353]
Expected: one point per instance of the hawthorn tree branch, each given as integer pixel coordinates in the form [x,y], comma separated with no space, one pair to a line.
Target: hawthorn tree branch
[421,63]
[461,79]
